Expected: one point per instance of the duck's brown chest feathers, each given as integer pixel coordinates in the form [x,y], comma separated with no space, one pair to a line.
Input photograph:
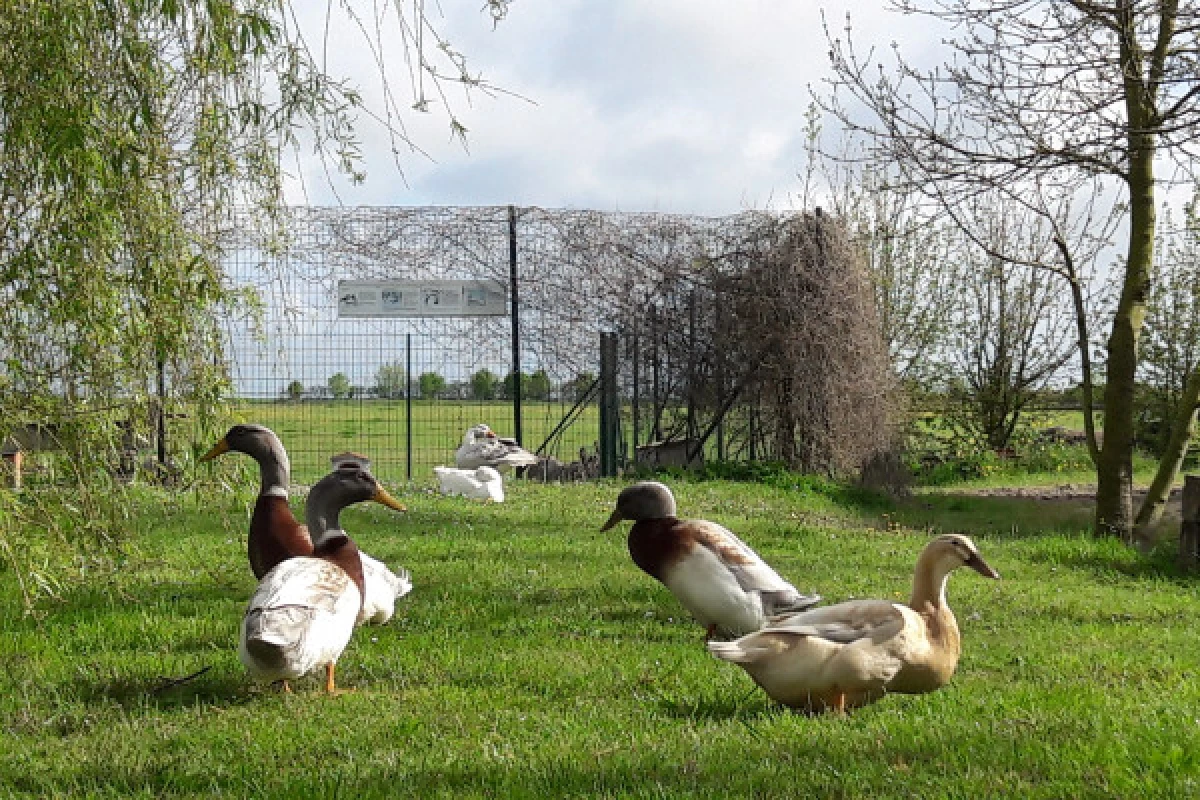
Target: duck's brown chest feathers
[275,535]
[656,544]
[345,554]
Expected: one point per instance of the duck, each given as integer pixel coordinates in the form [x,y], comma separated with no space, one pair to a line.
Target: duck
[725,585]
[275,533]
[304,611]
[483,483]
[481,447]
[850,654]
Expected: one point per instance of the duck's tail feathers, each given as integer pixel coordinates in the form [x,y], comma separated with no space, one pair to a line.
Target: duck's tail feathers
[403,582]
[778,603]
[521,459]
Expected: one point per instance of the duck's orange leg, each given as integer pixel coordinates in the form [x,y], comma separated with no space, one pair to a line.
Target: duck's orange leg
[839,702]
[330,684]
[287,688]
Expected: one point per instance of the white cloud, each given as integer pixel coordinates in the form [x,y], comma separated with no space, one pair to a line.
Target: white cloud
[692,106]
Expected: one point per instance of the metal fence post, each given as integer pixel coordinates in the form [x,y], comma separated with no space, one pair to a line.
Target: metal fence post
[609,409]
[637,366]
[691,366]
[408,407]
[516,322]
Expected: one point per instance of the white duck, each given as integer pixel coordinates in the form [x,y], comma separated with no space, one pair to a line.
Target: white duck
[713,573]
[382,589]
[847,655]
[484,483]
[305,609]
[481,447]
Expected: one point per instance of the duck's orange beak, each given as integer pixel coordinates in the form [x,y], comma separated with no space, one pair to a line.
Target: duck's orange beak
[218,449]
[381,496]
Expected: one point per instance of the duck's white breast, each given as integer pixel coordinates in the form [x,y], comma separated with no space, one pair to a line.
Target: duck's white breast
[706,588]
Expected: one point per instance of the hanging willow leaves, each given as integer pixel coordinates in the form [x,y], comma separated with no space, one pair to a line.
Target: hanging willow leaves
[130,131]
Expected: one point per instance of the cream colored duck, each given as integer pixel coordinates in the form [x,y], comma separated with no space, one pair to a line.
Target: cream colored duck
[484,483]
[481,447]
[847,655]
[305,609]
[276,535]
[713,573]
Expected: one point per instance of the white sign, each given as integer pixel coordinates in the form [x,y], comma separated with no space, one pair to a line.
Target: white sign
[421,299]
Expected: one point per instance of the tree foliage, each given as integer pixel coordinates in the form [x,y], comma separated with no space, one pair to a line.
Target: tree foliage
[391,381]
[485,385]
[432,384]
[129,131]
[534,386]
[339,386]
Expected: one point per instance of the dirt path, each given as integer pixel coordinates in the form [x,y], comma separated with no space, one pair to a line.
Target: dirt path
[1083,496]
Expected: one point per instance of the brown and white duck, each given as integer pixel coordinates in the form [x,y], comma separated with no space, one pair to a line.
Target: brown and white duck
[850,654]
[713,573]
[275,533]
[305,609]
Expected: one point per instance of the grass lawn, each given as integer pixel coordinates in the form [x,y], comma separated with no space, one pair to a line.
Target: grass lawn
[313,430]
[533,659]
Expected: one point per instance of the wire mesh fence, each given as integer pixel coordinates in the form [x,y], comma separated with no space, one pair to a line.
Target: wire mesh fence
[686,381]
[404,389]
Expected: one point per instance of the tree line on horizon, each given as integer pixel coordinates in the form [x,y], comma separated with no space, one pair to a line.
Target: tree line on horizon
[391,384]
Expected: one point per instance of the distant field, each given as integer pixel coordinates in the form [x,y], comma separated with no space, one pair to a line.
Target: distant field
[313,430]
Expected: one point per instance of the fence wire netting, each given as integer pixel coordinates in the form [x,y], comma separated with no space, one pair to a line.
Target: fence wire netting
[673,288]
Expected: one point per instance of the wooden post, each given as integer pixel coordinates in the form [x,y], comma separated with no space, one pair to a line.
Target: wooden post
[1189,534]
[15,459]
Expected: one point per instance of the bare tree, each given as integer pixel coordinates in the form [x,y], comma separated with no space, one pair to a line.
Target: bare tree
[906,249]
[1011,326]
[1171,366]
[1052,91]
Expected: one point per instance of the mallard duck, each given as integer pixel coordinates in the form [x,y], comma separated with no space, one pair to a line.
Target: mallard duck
[481,447]
[713,573]
[305,609]
[847,655]
[484,483]
[276,535]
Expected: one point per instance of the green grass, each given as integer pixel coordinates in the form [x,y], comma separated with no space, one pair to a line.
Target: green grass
[313,430]
[534,659]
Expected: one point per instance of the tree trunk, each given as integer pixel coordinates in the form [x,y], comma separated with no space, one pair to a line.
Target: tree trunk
[1114,471]
[1182,426]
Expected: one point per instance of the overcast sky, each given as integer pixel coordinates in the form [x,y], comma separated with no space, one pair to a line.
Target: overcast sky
[689,106]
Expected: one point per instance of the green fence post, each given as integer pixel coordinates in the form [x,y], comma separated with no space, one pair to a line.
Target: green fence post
[609,422]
